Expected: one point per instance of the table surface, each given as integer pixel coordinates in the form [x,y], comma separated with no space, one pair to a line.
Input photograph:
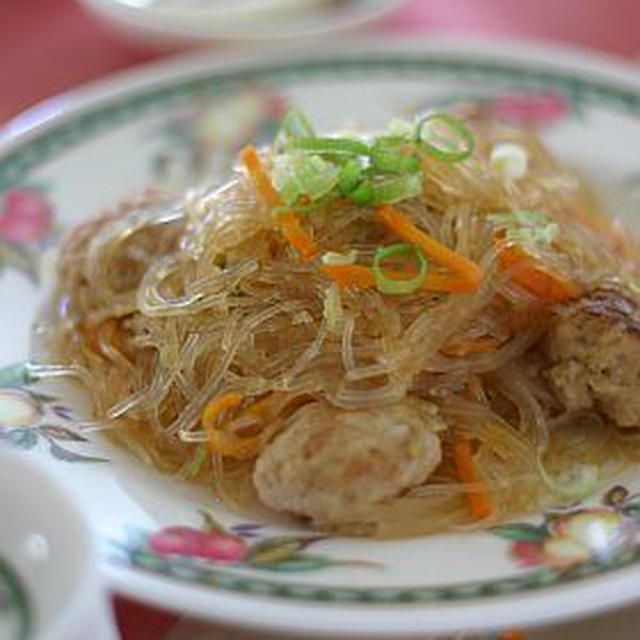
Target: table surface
[40,41]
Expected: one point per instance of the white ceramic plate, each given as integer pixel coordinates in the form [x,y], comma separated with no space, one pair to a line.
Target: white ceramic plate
[180,122]
[262,20]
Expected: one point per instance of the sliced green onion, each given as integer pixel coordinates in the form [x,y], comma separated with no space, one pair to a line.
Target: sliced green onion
[317,177]
[398,188]
[330,145]
[402,286]
[539,235]
[444,138]
[350,176]
[198,461]
[299,174]
[526,227]
[295,124]
[362,194]
[399,127]
[384,172]
[393,159]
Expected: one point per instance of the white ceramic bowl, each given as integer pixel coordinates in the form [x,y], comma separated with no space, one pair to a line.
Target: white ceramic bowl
[184,21]
[47,560]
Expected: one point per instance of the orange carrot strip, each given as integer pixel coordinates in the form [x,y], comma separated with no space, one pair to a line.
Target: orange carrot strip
[465,465]
[512,634]
[290,226]
[297,237]
[251,160]
[361,277]
[446,283]
[350,275]
[215,410]
[398,222]
[218,425]
[532,276]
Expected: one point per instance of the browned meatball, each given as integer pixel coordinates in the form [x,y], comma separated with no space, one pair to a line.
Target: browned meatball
[329,461]
[595,351]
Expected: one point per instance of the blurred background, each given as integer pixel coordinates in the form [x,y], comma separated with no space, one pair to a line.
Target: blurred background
[48,46]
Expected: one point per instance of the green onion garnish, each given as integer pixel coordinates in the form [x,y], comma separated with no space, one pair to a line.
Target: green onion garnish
[294,125]
[397,188]
[526,228]
[296,175]
[362,194]
[399,286]
[330,145]
[350,176]
[444,138]
[392,158]
[386,170]
[199,459]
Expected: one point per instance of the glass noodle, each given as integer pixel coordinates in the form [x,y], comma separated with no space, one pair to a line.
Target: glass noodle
[165,306]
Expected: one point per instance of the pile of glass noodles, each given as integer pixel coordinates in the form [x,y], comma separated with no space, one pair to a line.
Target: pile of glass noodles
[353,329]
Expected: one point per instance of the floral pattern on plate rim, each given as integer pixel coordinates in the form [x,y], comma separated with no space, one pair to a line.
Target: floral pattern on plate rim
[569,539]
[568,546]
[577,533]
[26,228]
[535,110]
[28,417]
[245,545]
[202,137]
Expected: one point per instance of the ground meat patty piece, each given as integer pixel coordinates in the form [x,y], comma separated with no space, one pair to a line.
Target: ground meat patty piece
[595,351]
[329,460]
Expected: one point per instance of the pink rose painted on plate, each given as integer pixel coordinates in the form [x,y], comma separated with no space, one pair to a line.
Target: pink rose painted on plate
[241,545]
[26,227]
[530,109]
[187,541]
[26,216]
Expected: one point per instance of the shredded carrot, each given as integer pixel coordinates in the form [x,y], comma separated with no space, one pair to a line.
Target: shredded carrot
[446,283]
[222,426]
[251,160]
[290,226]
[297,236]
[486,344]
[465,465]
[350,275]
[362,277]
[533,277]
[217,411]
[512,634]
[398,222]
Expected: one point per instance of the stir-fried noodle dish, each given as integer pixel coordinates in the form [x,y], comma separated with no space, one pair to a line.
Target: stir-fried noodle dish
[427,327]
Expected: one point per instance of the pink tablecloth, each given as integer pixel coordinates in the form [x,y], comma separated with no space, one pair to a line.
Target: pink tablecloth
[47,46]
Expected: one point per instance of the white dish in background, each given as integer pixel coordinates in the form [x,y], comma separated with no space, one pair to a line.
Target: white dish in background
[180,123]
[199,20]
[49,583]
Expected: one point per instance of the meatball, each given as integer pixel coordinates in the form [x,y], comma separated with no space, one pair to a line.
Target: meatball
[329,460]
[595,353]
